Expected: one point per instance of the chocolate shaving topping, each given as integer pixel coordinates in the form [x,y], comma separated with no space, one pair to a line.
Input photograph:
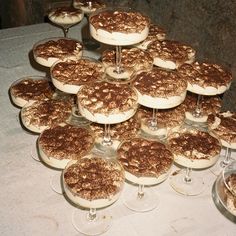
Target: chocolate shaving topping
[107,98]
[171,50]
[78,72]
[32,89]
[132,59]
[159,83]
[61,48]
[209,104]
[66,142]
[194,145]
[94,178]
[120,21]
[47,113]
[65,12]
[223,125]
[144,158]
[205,74]
[121,131]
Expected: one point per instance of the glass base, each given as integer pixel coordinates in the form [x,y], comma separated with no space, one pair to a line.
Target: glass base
[190,188]
[34,154]
[99,225]
[106,149]
[55,183]
[219,166]
[147,202]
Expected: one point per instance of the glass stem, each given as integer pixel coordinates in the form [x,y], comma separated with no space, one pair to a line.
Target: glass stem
[187,178]
[118,68]
[226,160]
[92,214]
[198,110]
[65,30]
[140,191]
[153,122]
[107,136]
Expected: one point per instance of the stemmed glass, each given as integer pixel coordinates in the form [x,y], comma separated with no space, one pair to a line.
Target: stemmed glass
[85,183]
[138,156]
[65,17]
[194,154]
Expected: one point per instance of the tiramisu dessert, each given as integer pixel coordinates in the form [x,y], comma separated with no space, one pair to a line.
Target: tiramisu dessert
[119,27]
[206,78]
[194,148]
[48,51]
[29,89]
[170,54]
[155,33]
[118,132]
[68,76]
[62,143]
[88,6]
[146,162]
[107,103]
[93,182]
[132,60]
[160,88]
[40,115]
[168,120]
[209,105]
[65,16]
[230,200]
[224,126]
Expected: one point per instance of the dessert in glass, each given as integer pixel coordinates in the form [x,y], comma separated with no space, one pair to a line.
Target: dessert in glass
[223,125]
[204,79]
[65,17]
[146,163]
[159,89]
[192,149]
[88,7]
[30,89]
[132,60]
[119,27]
[40,115]
[48,51]
[155,33]
[107,103]
[60,144]
[170,54]
[68,76]
[93,182]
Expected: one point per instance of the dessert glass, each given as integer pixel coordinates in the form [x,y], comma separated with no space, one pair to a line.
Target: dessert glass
[108,176]
[230,171]
[186,181]
[65,17]
[143,199]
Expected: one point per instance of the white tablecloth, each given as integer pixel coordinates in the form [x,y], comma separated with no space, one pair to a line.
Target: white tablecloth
[28,204]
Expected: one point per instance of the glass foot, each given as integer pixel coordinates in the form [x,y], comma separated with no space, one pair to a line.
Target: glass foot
[193,186]
[99,225]
[104,149]
[77,119]
[55,183]
[219,166]
[34,154]
[147,202]
[91,44]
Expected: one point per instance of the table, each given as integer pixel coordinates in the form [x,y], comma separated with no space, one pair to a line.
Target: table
[28,204]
